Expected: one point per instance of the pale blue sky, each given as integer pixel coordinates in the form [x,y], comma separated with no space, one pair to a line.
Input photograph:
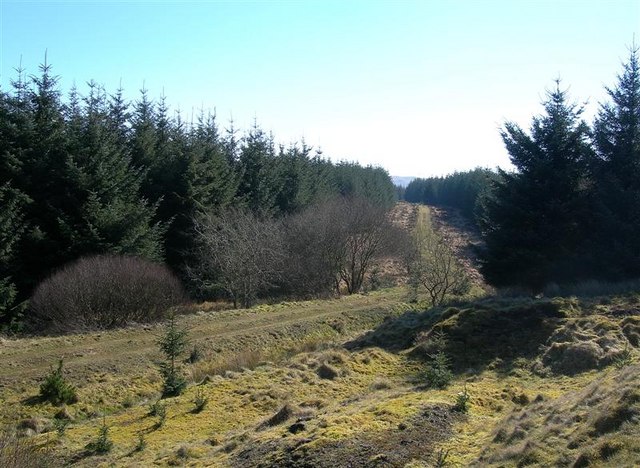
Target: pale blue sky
[418,87]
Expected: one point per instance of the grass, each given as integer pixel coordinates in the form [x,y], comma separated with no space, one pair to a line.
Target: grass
[272,405]
[534,382]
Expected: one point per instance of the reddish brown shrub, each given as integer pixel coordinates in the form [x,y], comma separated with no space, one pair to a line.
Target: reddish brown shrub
[104,291]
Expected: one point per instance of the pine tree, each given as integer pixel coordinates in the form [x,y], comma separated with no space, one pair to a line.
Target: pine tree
[12,201]
[294,178]
[12,226]
[211,180]
[617,171]
[534,221]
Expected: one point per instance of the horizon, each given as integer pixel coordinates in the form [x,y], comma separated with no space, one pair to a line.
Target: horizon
[418,89]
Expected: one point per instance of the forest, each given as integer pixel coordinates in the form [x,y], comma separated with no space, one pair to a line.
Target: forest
[569,210]
[94,174]
[235,215]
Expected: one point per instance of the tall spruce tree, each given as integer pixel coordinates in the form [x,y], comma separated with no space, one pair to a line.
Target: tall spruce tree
[293,172]
[533,223]
[258,184]
[212,183]
[113,217]
[13,122]
[617,171]
[48,177]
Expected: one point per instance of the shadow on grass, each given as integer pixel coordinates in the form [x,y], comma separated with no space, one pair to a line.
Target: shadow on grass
[33,400]
[493,332]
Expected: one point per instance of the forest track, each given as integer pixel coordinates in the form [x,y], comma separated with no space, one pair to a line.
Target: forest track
[124,350]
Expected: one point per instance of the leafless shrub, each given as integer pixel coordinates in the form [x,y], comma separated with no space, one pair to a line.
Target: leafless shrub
[315,245]
[104,291]
[436,268]
[336,244]
[238,252]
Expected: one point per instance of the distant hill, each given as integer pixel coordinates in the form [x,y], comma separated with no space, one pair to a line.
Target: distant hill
[401,180]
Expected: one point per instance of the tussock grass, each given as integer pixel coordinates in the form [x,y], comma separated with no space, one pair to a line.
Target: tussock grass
[522,410]
[20,452]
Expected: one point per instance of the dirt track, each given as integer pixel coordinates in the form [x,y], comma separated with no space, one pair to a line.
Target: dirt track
[127,350]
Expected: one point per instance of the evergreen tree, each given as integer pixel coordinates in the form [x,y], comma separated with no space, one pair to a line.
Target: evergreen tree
[293,172]
[12,201]
[48,178]
[112,215]
[211,180]
[172,344]
[12,226]
[258,184]
[617,171]
[459,190]
[533,225]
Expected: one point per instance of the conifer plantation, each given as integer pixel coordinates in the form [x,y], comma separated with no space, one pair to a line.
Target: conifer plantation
[91,173]
[569,210]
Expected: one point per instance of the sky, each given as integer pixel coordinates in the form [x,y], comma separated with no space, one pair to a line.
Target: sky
[420,88]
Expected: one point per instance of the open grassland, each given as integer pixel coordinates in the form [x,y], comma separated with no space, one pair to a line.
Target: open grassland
[344,382]
[112,368]
[552,383]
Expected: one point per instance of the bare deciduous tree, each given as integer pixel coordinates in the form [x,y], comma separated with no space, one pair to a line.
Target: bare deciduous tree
[336,244]
[239,253]
[366,236]
[435,267]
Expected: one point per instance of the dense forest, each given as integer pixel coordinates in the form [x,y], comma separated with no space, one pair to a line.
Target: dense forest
[570,209]
[460,190]
[94,173]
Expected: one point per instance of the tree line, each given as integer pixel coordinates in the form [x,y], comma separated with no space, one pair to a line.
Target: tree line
[570,209]
[460,190]
[94,173]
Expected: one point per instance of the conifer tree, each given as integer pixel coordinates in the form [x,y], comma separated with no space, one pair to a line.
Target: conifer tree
[113,217]
[617,172]
[47,177]
[293,174]
[211,180]
[533,224]
[258,183]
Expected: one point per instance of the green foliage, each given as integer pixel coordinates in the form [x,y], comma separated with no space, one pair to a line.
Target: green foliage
[61,426]
[533,223]
[624,358]
[195,355]
[438,373]
[99,175]
[461,404]
[102,444]
[141,445]
[157,408]
[199,401]
[12,226]
[461,190]
[56,389]
[616,136]
[441,458]
[172,344]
